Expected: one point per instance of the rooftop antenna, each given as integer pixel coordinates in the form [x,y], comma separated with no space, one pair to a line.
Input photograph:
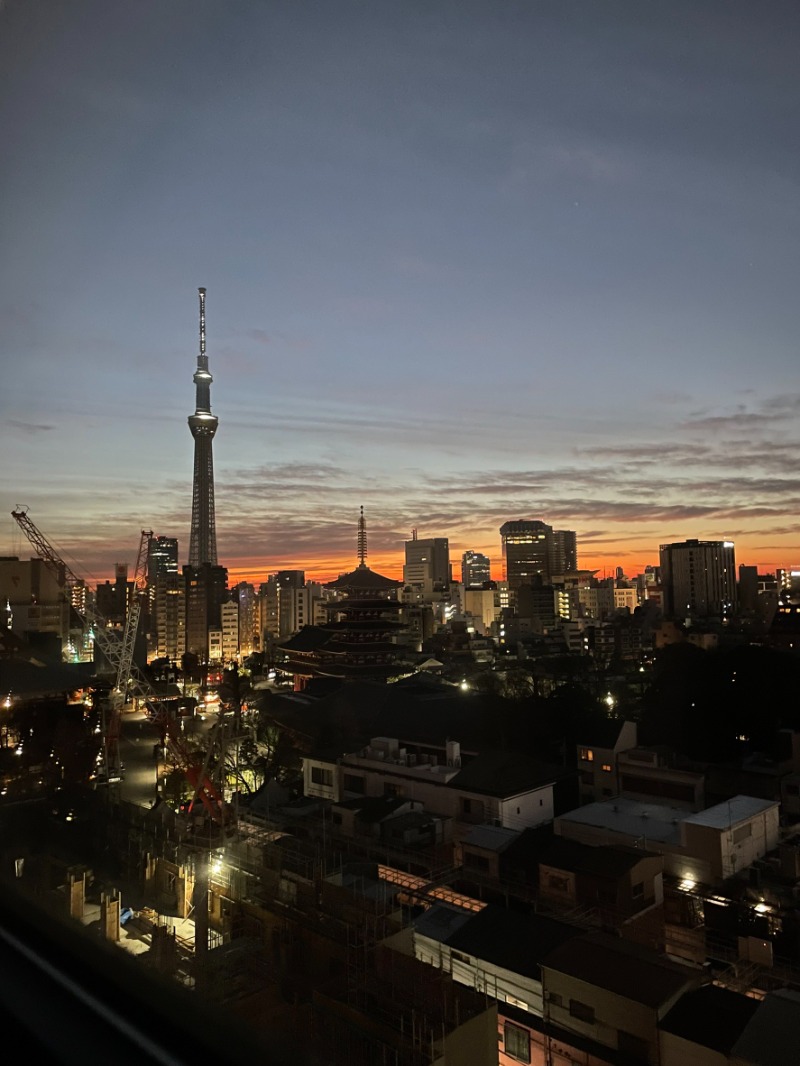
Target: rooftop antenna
[362,539]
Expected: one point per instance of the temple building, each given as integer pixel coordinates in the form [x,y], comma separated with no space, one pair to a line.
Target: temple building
[359,639]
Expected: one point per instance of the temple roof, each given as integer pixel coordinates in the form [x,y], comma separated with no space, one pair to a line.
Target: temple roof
[362,579]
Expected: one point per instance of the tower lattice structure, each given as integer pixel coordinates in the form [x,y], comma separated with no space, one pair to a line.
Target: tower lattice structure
[203,426]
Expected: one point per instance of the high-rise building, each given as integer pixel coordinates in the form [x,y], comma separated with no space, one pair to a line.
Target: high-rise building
[162,557]
[162,560]
[699,578]
[248,622]
[534,551]
[475,568]
[563,551]
[526,552]
[170,615]
[427,561]
[203,425]
[206,591]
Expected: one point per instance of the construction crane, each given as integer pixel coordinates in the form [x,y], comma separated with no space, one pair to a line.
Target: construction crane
[119,654]
[195,767]
[106,639]
[133,614]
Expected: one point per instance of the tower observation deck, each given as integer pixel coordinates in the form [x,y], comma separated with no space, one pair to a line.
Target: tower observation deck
[203,426]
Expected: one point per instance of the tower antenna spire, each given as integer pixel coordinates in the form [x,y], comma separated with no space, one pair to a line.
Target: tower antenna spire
[202,294]
[362,539]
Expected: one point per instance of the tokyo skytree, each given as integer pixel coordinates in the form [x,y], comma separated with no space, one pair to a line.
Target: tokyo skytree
[203,425]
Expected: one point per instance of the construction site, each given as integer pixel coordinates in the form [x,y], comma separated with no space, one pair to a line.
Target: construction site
[274,924]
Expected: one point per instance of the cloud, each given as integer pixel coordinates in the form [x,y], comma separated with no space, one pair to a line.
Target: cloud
[27,427]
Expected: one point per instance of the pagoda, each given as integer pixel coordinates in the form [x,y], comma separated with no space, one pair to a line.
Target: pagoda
[357,640]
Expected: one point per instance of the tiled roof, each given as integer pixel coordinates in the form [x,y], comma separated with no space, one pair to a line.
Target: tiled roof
[362,579]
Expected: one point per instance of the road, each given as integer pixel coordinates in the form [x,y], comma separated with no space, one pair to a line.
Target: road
[138,736]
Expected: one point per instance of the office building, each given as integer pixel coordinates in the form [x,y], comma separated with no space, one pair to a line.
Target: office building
[206,590]
[162,556]
[526,552]
[475,569]
[427,561]
[563,551]
[699,578]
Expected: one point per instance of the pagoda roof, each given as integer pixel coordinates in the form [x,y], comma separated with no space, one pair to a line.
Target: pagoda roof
[307,639]
[362,579]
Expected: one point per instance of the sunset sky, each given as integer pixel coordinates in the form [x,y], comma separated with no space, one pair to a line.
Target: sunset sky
[465,261]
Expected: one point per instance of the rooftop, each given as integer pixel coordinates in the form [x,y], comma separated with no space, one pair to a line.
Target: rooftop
[730,813]
[605,860]
[771,1036]
[362,579]
[504,773]
[711,1016]
[624,968]
[634,818]
[511,940]
[491,837]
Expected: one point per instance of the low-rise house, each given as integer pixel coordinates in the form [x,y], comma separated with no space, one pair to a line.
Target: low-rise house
[598,755]
[772,1036]
[481,849]
[499,788]
[652,774]
[704,1025]
[613,992]
[706,847]
[616,882]
[505,789]
[495,951]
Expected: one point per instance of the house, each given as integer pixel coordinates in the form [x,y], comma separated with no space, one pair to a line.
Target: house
[652,774]
[772,1036]
[499,788]
[480,850]
[495,951]
[598,755]
[615,881]
[613,991]
[707,846]
[704,1025]
[505,789]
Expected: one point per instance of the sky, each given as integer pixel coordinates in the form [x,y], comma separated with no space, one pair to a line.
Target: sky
[465,262]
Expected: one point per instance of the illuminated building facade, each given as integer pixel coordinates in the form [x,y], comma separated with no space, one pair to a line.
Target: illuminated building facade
[475,568]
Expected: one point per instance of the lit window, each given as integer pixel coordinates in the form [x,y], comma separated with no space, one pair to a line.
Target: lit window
[606,767]
[587,754]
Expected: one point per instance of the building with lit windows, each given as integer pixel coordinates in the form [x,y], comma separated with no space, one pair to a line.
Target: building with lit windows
[475,569]
[534,551]
[699,579]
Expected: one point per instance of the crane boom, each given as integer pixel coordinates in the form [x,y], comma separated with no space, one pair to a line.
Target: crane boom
[120,654]
[107,639]
[133,613]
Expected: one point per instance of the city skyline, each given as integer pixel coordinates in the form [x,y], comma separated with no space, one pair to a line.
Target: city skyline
[466,266]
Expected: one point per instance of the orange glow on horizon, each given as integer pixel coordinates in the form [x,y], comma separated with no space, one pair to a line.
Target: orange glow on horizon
[256,571]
